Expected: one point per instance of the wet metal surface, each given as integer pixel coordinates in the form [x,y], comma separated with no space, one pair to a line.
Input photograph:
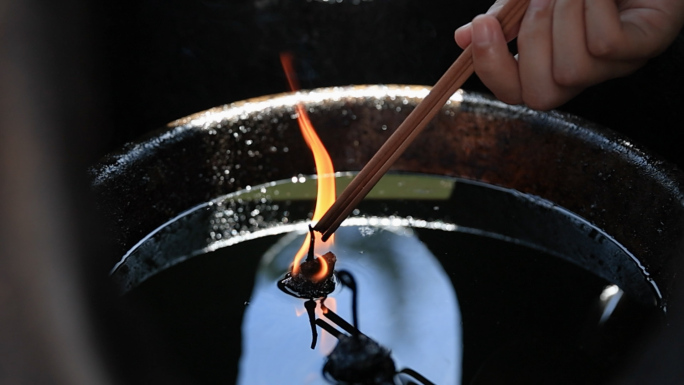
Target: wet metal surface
[633,196]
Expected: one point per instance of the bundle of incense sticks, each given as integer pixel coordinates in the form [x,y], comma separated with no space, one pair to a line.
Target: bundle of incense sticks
[509,17]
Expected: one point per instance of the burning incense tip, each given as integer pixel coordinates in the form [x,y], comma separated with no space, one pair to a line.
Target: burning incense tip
[318,269]
[313,279]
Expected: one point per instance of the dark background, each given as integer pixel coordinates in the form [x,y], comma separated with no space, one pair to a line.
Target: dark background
[168,59]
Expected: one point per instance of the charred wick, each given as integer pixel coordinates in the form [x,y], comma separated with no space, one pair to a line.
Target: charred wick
[312,243]
[310,306]
[304,284]
[356,359]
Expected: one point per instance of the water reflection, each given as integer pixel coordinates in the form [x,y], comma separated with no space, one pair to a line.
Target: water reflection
[610,297]
[406,303]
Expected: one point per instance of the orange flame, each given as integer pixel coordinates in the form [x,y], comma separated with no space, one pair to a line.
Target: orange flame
[321,273]
[325,196]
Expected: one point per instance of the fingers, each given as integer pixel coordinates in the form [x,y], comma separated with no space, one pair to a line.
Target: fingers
[463,34]
[571,61]
[565,46]
[492,61]
[604,28]
[574,65]
[535,48]
[631,30]
[494,11]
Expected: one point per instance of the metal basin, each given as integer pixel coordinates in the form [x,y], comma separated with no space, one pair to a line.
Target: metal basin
[631,195]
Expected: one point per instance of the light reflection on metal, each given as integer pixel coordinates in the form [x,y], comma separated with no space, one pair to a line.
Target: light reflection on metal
[235,111]
[610,297]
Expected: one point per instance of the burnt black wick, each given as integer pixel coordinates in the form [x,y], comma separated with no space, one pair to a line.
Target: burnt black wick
[356,359]
[312,242]
[312,279]
[310,306]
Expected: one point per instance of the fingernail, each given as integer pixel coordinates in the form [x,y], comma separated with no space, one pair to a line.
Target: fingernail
[539,4]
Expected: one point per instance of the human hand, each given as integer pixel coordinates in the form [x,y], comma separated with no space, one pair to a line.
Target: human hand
[565,46]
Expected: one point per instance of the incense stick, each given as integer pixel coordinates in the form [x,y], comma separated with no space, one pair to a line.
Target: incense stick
[407,131]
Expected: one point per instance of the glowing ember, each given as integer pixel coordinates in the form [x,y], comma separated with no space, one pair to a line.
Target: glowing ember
[314,280]
[322,271]
[326,180]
